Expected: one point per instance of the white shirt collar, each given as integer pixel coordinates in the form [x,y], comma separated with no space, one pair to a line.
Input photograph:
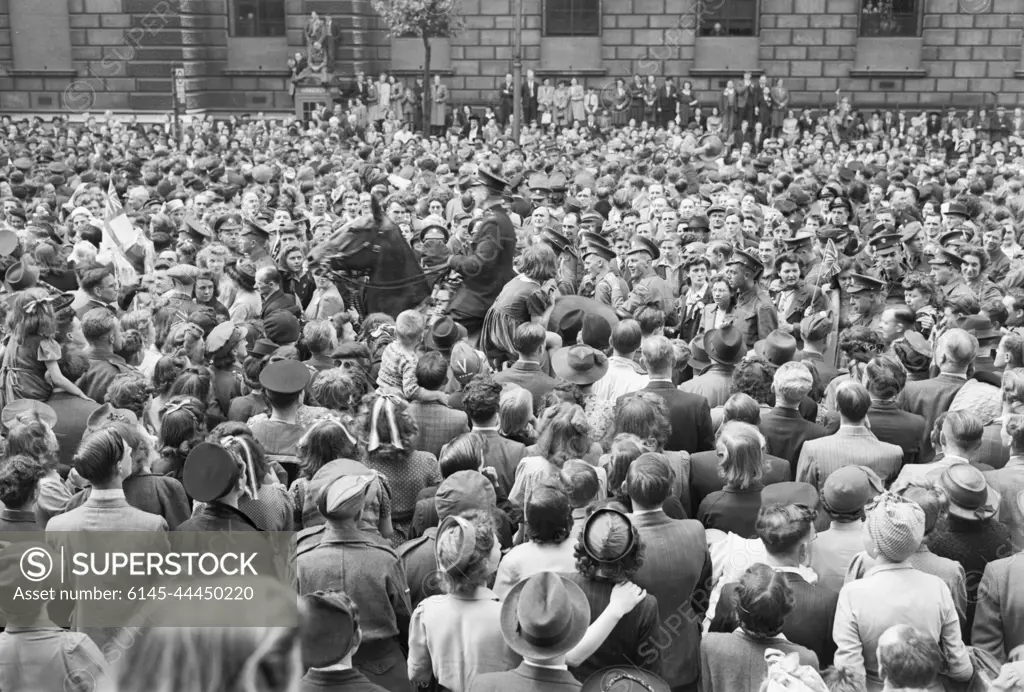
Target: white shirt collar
[111,494]
[548,667]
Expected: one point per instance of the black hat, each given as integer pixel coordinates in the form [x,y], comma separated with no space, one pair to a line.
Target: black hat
[957,236]
[253,227]
[558,242]
[435,227]
[747,260]
[801,238]
[860,283]
[210,472]
[886,241]
[698,221]
[285,377]
[262,348]
[443,334]
[588,238]
[957,209]
[643,244]
[946,257]
[601,250]
[488,179]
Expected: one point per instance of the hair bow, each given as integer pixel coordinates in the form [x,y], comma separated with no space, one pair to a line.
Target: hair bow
[387,403]
[33,305]
[241,449]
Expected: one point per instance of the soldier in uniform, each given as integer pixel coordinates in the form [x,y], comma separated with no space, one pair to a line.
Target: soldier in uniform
[890,269]
[912,237]
[486,266]
[648,287]
[946,270]
[599,282]
[867,301]
[755,314]
[337,555]
[567,259]
[227,228]
[253,244]
[213,476]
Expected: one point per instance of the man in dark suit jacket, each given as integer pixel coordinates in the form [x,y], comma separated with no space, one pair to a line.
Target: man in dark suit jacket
[783,427]
[268,283]
[676,569]
[999,616]
[689,414]
[481,400]
[954,354]
[668,97]
[886,378]
[530,89]
[814,607]
[526,371]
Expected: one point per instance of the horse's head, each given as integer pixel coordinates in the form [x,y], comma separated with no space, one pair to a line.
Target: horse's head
[354,245]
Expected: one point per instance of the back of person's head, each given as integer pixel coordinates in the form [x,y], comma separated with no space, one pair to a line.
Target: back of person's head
[742,408]
[529,338]
[580,483]
[431,371]
[30,435]
[624,449]
[651,320]
[927,495]
[19,478]
[853,401]
[956,350]
[764,600]
[516,411]
[319,336]
[963,429]
[409,326]
[782,528]
[99,455]
[649,480]
[884,377]
[97,324]
[464,453]
[626,337]
[644,414]
[1014,427]
[658,355]
[481,399]
[792,382]
[548,515]
[73,363]
[740,448]
[909,658]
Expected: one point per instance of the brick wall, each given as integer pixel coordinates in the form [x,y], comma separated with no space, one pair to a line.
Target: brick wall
[810,43]
[123,52]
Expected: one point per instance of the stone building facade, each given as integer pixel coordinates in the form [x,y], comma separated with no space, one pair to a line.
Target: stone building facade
[94,55]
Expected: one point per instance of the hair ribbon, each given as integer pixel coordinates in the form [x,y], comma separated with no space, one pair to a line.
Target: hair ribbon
[33,305]
[387,403]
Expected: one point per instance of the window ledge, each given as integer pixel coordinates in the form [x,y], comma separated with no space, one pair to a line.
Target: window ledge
[1019,74]
[719,72]
[419,72]
[594,72]
[247,72]
[42,73]
[918,73]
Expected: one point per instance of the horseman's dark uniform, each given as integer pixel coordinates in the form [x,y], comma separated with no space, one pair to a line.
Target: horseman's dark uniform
[485,268]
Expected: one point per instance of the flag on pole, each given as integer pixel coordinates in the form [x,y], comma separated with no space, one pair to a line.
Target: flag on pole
[829,263]
[118,236]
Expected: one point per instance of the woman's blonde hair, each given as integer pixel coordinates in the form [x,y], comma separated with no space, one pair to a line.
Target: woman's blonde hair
[516,410]
[740,448]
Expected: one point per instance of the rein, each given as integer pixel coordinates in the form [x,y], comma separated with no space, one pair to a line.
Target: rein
[383,285]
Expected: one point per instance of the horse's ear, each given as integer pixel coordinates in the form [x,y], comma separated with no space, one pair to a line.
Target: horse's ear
[375,208]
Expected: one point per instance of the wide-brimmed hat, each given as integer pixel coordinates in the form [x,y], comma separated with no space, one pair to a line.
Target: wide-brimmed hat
[444,333]
[490,180]
[777,348]
[624,679]
[970,496]
[21,276]
[23,407]
[544,616]
[580,365]
[698,356]
[725,345]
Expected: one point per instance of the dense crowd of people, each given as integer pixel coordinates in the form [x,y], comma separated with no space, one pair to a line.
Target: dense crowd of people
[675,414]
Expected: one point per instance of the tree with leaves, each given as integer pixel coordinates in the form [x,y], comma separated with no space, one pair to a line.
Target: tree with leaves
[425,19]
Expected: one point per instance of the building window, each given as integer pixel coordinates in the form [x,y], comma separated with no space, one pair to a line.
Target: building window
[890,18]
[728,18]
[572,18]
[257,18]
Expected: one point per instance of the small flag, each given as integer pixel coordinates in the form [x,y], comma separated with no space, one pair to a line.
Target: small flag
[829,262]
[113,205]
